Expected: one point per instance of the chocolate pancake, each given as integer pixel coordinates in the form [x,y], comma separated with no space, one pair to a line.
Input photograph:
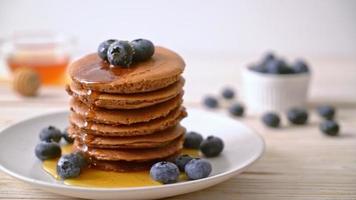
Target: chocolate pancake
[158,139]
[163,69]
[144,128]
[125,101]
[132,155]
[132,116]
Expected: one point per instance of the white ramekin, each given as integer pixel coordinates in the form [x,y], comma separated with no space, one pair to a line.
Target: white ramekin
[269,92]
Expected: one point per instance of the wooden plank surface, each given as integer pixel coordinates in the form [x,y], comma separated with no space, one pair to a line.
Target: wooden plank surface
[299,162]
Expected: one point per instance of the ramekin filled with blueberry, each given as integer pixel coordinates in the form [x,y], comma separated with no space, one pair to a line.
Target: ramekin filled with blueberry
[273,84]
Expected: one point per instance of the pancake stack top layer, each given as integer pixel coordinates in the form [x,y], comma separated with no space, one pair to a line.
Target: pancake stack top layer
[127,118]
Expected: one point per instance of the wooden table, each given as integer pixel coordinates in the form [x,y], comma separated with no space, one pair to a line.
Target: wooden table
[299,162]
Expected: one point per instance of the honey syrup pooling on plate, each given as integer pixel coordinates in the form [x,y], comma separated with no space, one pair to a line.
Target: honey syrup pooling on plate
[98,178]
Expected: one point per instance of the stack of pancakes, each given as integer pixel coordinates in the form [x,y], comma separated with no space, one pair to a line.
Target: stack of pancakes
[126,119]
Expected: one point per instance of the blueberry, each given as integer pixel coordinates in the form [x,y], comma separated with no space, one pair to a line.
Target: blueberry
[269,56]
[228,93]
[197,169]
[300,66]
[66,137]
[192,140]
[258,68]
[69,166]
[50,134]
[47,150]
[271,119]
[330,127]
[144,49]
[211,146]
[120,53]
[278,66]
[327,112]
[182,160]
[103,48]
[78,159]
[297,116]
[236,110]
[210,102]
[164,172]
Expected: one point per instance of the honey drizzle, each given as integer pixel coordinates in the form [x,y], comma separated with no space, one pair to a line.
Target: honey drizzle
[98,71]
[107,179]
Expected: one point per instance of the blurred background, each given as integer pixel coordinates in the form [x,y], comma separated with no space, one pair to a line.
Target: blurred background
[212,36]
[217,39]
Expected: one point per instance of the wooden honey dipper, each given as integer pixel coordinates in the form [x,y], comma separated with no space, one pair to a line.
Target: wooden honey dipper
[26,82]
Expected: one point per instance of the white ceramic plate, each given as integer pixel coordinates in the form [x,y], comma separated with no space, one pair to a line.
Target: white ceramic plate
[242,147]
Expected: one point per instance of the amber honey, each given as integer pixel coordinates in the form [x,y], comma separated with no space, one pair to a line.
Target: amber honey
[51,68]
[46,53]
[107,179]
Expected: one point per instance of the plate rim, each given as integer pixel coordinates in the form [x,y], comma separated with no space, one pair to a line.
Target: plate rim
[225,175]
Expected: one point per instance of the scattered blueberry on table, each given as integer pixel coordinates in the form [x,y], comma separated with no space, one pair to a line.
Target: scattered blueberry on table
[210,102]
[182,160]
[164,172]
[192,140]
[330,127]
[327,112]
[271,119]
[47,150]
[212,146]
[50,134]
[297,116]
[228,93]
[70,165]
[198,168]
[237,110]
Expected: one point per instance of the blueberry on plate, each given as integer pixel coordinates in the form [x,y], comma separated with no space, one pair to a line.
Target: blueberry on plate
[212,146]
[300,66]
[228,93]
[330,127]
[103,48]
[47,150]
[69,166]
[297,116]
[182,160]
[198,168]
[271,119]
[66,137]
[78,159]
[327,112]
[192,140]
[120,53]
[210,102]
[236,110]
[278,66]
[50,134]
[164,172]
[144,49]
